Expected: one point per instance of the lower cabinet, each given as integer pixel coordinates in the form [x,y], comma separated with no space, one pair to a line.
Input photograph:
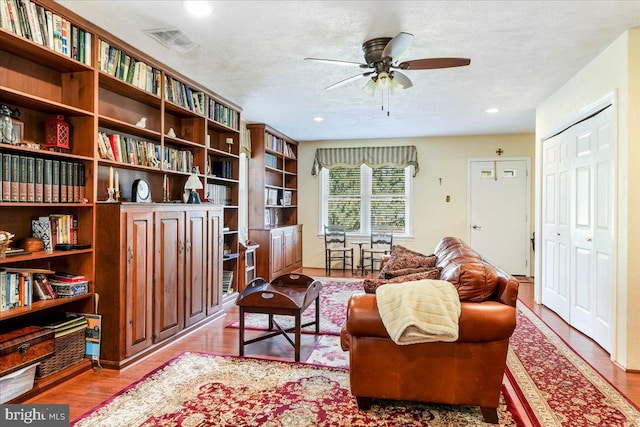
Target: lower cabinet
[280,250]
[158,272]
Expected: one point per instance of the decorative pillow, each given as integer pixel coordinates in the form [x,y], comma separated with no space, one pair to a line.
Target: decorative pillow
[402,258]
[475,281]
[404,272]
[370,285]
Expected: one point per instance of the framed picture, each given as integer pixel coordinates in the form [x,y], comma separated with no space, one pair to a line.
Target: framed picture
[18,131]
[267,218]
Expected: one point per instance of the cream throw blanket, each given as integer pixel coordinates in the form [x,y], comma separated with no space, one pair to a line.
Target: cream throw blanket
[419,311]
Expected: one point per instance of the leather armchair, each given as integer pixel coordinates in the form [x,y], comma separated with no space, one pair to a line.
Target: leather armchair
[468,371]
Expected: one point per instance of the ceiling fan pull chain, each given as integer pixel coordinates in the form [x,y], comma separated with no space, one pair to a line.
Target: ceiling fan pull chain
[388,102]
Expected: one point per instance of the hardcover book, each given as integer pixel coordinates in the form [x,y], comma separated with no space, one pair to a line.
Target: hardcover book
[31,179]
[22,186]
[15,177]
[39,187]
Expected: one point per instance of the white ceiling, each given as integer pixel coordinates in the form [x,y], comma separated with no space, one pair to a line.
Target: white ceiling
[251,53]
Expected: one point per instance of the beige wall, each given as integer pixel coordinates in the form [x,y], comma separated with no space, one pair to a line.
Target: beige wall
[615,70]
[439,157]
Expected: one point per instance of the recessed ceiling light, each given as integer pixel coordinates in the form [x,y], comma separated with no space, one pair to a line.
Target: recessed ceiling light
[491,110]
[318,119]
[198,8]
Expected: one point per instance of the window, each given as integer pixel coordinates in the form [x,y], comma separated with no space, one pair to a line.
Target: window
[367,198]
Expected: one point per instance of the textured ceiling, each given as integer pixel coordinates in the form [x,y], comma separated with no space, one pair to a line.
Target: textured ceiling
[251,52]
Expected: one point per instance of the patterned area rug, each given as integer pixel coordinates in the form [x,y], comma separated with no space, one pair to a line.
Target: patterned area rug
[198,389]
[558,385]
[334,296]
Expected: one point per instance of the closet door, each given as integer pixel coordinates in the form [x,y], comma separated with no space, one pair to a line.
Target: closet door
[556,235]
[592,228]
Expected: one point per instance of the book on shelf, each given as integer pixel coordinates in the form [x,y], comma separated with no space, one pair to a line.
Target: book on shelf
[15,178]
[22,185]
[6,177]
[17,287]
[219,194]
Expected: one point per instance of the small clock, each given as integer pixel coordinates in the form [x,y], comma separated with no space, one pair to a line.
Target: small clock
[141,192]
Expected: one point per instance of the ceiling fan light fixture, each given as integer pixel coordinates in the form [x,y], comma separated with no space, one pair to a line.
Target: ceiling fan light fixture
[370,87]
[384,81]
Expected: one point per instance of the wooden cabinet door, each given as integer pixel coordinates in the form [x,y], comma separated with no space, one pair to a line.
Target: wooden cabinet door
[288,248]
[169,274]
[214,263]
[138,281]
[297,247]
[195,266]
[276,254]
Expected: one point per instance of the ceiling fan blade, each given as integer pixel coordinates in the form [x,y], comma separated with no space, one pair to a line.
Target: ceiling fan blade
[350,79]
[396,47]
[402,79]
[431,63]
[337,62]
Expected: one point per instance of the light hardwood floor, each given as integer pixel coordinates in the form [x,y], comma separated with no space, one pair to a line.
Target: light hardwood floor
[91,388]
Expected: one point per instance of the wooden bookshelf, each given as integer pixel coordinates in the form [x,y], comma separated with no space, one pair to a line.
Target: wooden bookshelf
[40,81]
[273,198]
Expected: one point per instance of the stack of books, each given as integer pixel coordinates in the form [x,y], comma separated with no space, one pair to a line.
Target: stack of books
[70,323]
[227,281]
[68,285]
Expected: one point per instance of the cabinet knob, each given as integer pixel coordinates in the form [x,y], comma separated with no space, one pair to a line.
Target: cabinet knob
[130,257]
[589,239]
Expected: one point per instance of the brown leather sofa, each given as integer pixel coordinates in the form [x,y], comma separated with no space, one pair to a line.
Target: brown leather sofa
[468,371]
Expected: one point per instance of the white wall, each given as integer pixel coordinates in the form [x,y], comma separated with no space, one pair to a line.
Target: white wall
[439,157]
[616,69]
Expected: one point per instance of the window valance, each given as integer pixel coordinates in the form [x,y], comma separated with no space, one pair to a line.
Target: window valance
[354,157]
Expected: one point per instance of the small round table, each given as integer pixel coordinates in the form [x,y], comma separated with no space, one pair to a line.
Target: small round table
[360,243]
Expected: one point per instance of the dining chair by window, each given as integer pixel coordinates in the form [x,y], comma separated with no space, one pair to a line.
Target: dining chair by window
[381,243]
[335,248]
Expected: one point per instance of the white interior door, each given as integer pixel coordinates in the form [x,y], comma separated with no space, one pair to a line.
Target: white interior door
[577,245]
[499,212]
[556,233]
[592,228]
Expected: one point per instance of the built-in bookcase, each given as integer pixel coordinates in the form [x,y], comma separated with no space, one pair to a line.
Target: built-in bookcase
[273,201]
[128,114]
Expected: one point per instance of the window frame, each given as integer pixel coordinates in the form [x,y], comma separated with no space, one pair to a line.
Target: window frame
[366,179]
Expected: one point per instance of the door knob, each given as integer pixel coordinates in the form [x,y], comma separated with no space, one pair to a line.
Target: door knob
[477,227]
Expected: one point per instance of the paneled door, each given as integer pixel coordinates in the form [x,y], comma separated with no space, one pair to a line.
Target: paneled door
[577,246]
[169,274]
[499,212]
[556,230]
[592,228]
[139,280]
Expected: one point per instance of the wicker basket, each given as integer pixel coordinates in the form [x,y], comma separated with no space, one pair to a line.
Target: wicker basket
[4,244]
[69,349]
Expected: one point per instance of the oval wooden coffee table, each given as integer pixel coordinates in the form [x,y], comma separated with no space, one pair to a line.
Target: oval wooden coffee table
[286,295]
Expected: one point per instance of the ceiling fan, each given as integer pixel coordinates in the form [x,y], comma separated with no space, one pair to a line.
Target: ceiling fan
[381,56]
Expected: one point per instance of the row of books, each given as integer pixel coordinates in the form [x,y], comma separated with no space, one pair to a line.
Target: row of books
[37,180]
[117,63]
[219,194]
[288,151]
[20,287]
[273,143]
[220,168]
[179,93]
[178,160]
[126,149]
[270,161]
[32,21]
[222,114]
[55,229]
[193,100]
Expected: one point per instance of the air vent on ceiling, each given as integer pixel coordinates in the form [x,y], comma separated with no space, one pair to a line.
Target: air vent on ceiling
[172,38]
